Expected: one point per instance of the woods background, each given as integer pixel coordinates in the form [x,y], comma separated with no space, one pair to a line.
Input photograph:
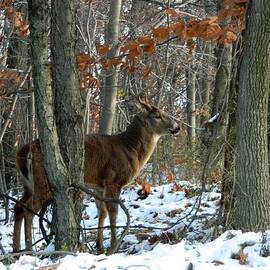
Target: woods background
[206,62]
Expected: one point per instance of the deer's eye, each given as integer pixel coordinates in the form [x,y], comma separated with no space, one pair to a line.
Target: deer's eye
[157,116]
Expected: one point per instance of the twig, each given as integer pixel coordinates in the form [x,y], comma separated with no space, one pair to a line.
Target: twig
[2,248]
[24,206]
[36,253]
[14,102]
[137,265]
[109,200]
[130,227]
[41,218]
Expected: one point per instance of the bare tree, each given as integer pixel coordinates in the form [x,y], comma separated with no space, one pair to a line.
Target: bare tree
[111,76]
[59,112]
[252,165]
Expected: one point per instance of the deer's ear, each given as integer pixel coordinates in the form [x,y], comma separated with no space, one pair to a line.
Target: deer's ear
[143,103]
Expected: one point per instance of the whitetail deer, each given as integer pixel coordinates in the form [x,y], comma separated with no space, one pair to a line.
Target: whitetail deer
[111,162]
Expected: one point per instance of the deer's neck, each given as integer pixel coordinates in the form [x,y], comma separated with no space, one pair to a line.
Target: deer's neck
[140,140]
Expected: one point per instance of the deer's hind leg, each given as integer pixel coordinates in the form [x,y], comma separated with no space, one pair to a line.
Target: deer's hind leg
[28,220]
[18,218]
[102,214]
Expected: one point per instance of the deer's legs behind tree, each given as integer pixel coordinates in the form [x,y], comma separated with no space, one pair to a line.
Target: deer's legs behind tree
[102,214]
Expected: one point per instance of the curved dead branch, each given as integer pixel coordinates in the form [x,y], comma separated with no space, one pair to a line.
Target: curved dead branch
[41,218]
[109,200]
[24,206]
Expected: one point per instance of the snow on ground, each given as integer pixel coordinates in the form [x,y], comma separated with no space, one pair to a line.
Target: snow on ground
[170,209]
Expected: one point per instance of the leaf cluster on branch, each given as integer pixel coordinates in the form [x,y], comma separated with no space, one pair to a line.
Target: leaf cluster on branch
[132,51]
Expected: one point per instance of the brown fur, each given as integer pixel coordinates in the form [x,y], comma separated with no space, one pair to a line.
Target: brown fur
[111,162]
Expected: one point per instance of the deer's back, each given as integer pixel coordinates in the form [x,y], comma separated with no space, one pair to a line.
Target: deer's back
[106,160]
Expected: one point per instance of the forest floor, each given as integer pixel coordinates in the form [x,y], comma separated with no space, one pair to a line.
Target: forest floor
[171,228]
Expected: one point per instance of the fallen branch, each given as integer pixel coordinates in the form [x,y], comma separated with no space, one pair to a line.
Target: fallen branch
[36,253]
[41,218]
[24,206]
[109,200]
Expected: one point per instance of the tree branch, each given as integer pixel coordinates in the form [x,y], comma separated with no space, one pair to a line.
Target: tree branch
[109,200]
[14,102]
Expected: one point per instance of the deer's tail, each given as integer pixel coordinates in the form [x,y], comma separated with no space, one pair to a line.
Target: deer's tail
[22,166]
[21,160]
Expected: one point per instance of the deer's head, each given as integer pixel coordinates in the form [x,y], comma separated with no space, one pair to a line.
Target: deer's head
[155,120]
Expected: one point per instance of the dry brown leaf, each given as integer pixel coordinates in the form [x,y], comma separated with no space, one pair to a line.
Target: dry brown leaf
[179,29]
[177,187]
[191,46]
[172,12]
[170,178]
[103,49]
[49,267]
[161,34]
[148,44]
[242,257]
[146,188]
[227,36]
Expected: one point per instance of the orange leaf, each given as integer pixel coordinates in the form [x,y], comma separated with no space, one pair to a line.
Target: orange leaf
[24,30]
[149,45]
[84,61]
[227,36]
[134,50]
[172,12]
[135,53]
[49,267]
[179,29]
[170,178]
[212,31]
[145,40]
[161,33]
[209,20]
[18,20]
[176,187]
[89,81]
[146,188]
[243,257]
[103,49]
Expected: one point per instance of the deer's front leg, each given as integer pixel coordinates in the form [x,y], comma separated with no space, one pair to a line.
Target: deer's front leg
[113,192]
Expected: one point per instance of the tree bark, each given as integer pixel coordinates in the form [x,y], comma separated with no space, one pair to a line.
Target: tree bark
[63,165]
[252,167]
[69,113]
[191,105]
[111,76]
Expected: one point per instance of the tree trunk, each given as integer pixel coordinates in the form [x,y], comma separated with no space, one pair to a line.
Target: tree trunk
[111,76]
[69,113]
[191,105]
[252,168]
[63,162]
[227,207]
[206,84]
